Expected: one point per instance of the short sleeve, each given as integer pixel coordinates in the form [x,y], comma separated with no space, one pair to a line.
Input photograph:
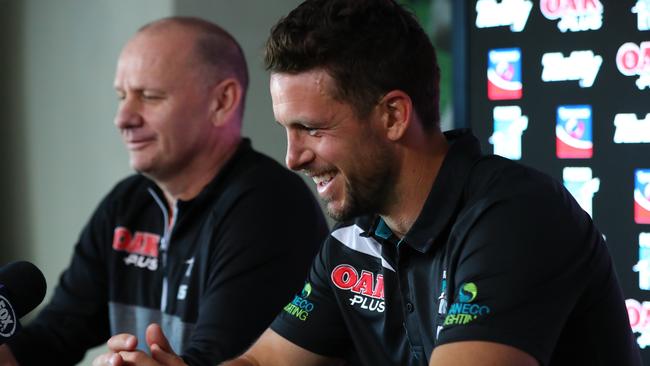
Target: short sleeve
[312,319]
[520,272]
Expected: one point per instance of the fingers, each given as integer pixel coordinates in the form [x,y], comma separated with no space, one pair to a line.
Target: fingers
[122,342]
[164,357]
[156,336]
[108,359]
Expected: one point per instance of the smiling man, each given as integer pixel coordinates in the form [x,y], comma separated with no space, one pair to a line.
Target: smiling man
[208,240]
[443,256]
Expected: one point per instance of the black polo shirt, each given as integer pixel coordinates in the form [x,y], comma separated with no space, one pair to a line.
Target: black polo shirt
[499,253]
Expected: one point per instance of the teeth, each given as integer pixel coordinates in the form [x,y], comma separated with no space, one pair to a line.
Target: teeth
[323,178]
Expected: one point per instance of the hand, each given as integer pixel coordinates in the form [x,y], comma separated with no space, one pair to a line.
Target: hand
[160,348]
[122,351]
[7,357]
[119,343]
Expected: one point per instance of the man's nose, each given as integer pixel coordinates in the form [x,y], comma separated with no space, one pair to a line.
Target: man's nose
[299,155]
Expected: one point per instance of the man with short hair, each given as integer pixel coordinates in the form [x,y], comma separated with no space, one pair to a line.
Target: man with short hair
[208,240]
[443,255]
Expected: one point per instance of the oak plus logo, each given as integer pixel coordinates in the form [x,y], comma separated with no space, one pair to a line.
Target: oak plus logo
[574,15]
[8,321]
[513,13]
[634,60]
[141,246]
[366,287]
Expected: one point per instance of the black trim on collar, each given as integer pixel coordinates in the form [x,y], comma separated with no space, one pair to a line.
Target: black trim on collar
[446,193]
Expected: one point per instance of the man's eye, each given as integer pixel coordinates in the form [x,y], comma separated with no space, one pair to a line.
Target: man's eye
[312,131]
[151,96]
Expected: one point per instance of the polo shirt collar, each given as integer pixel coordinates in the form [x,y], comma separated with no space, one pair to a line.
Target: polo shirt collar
[445,197]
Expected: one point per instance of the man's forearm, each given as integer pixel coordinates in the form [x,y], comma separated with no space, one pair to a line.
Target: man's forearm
[7,357]
[241,361]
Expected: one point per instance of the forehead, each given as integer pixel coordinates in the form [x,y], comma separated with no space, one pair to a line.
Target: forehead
[306,98]
[311,84]
[157,56]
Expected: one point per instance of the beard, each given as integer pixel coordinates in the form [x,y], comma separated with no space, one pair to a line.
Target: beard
[369,189]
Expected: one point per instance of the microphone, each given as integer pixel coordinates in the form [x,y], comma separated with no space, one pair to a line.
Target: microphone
[22,288]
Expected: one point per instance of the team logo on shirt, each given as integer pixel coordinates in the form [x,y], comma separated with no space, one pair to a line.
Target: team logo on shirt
[463,311]
[141,246]
[367,287]
[300,307]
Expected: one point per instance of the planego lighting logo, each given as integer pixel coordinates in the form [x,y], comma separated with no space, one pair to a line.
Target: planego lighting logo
[573,132]
[300,307]
[504,74]
[463,311]
[574,15]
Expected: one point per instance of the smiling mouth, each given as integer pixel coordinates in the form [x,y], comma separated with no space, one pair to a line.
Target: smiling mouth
[138,144]
[323,180]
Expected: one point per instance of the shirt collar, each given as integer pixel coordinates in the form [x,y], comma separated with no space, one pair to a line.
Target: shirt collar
[445,197]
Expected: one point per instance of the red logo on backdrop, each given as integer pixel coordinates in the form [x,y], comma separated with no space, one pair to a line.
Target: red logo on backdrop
[139,243]
[553,9]
[632,60]
[639,314]
[346,277]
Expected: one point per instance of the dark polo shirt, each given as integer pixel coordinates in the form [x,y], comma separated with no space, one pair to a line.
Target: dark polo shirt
[499,253]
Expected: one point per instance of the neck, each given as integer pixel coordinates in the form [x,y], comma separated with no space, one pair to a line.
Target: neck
[421,158]
[190,181]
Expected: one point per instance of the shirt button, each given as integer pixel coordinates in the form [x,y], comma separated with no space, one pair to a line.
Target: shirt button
[409,307]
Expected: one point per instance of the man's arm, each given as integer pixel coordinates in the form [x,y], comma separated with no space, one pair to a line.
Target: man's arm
[272,349]
[478,353]
[6,357]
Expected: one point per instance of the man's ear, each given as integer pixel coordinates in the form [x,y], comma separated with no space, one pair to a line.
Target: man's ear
[396,110]
[226,99]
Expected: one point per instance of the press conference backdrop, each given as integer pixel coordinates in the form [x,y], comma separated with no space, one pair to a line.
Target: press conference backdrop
[564,86]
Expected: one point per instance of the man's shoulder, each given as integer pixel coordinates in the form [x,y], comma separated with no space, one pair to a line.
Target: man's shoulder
[253,170]
[134,184]
[500,177]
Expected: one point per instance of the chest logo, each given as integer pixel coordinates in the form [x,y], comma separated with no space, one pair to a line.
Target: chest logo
[141,246]
[367,288]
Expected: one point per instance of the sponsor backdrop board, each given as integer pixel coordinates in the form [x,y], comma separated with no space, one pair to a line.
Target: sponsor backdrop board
[564,86]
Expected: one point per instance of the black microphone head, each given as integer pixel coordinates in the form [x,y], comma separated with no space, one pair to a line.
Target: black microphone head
[24,286]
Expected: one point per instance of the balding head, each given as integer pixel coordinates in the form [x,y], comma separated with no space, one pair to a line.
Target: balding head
[212,49]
